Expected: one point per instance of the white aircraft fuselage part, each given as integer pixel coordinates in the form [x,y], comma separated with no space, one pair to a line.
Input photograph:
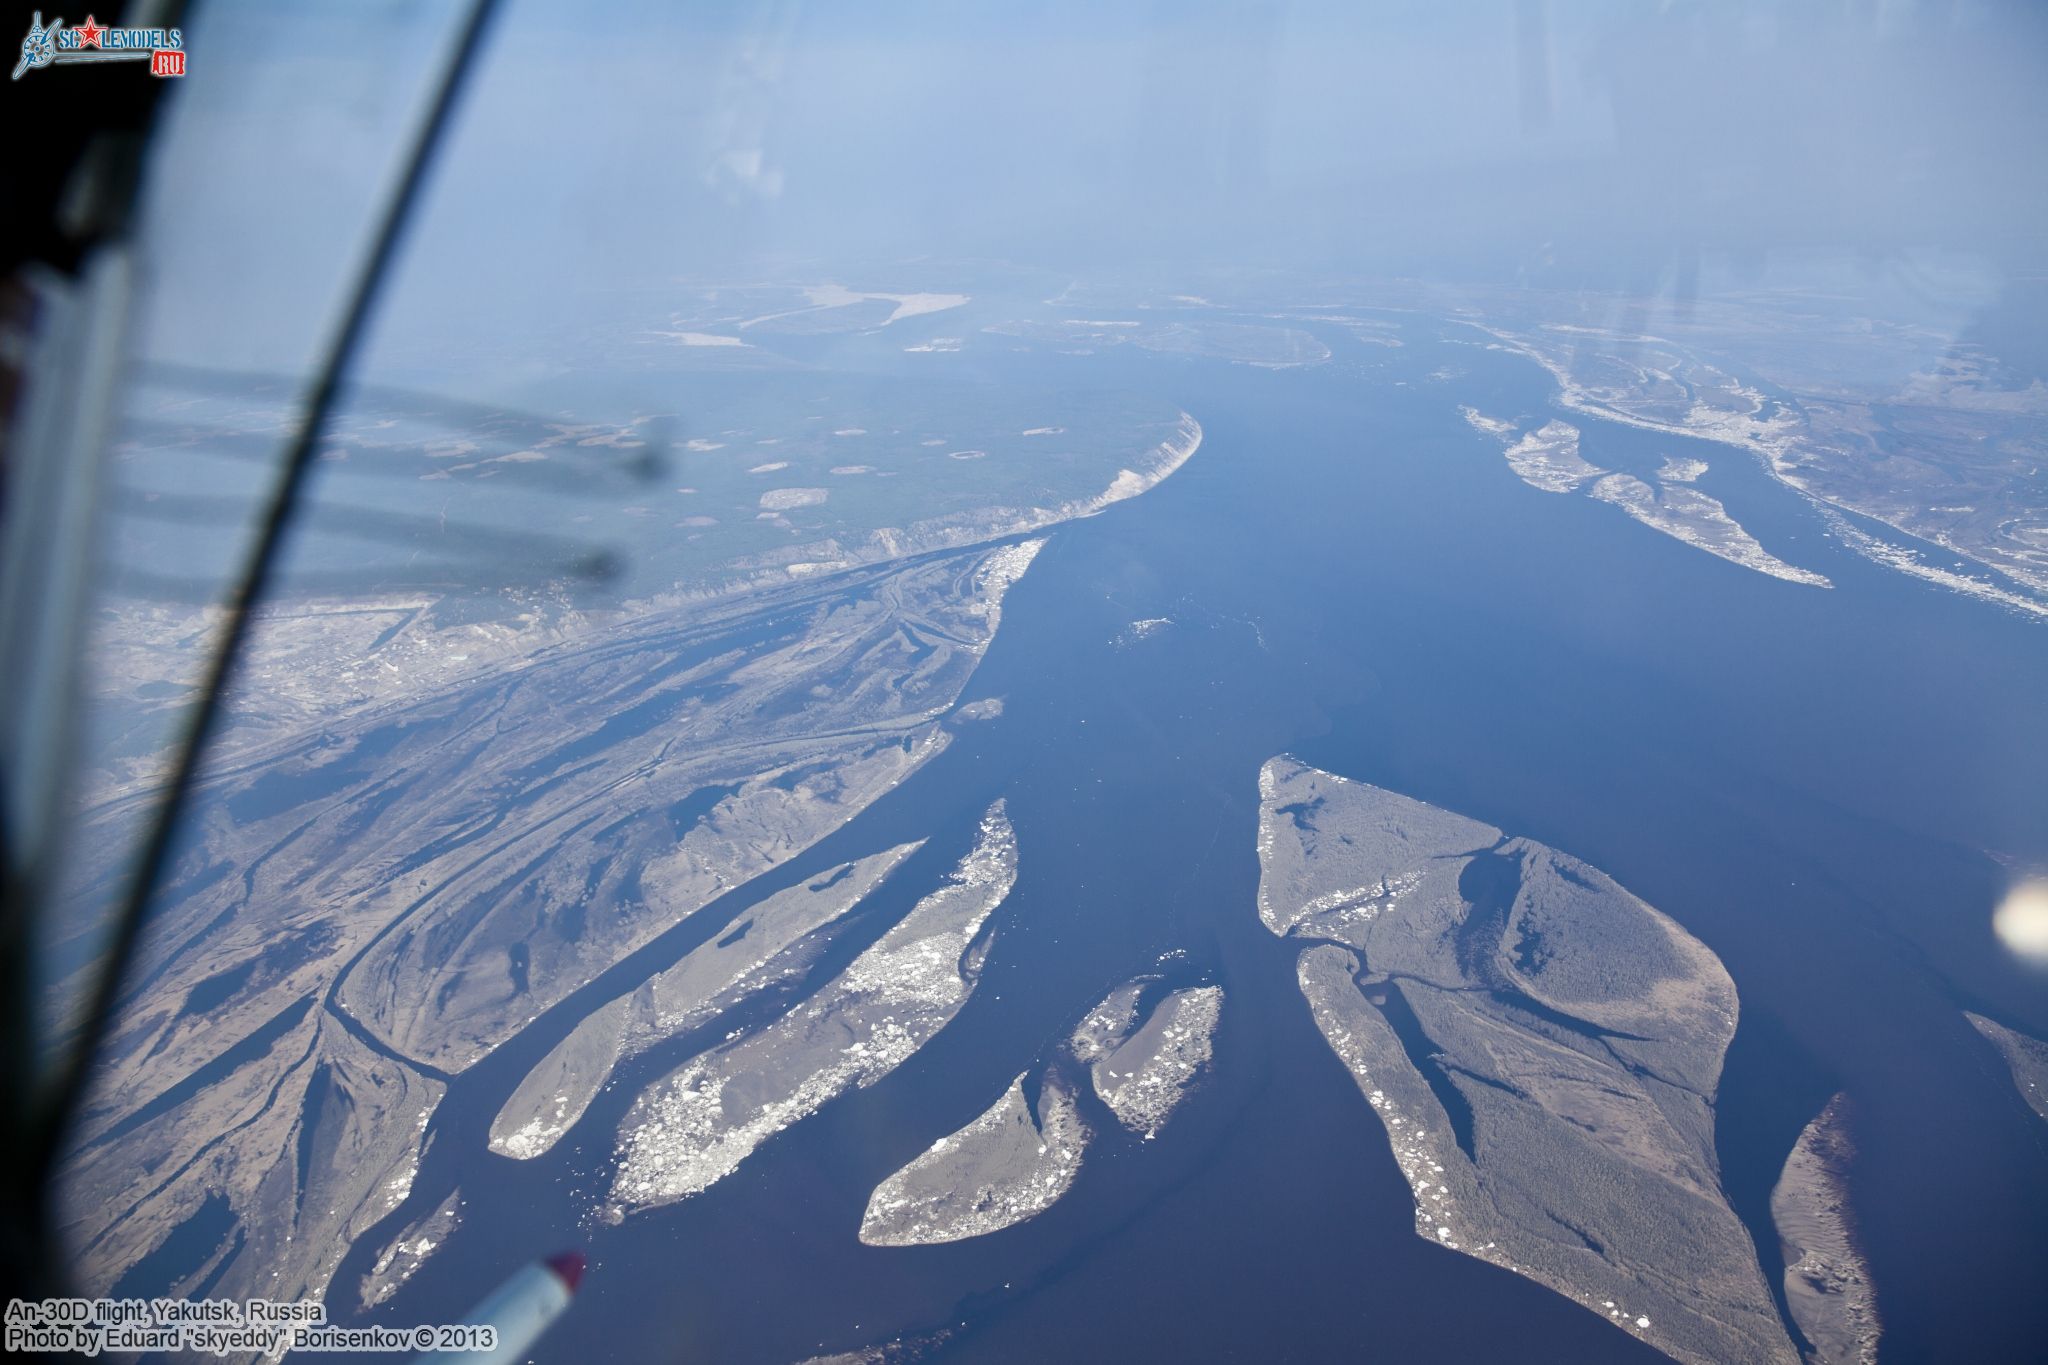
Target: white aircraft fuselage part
[523,1307]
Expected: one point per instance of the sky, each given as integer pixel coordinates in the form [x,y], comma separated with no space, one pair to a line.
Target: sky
[1615,145]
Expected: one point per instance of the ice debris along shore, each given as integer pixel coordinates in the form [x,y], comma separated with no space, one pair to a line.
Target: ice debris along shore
[696,1125]
[772,942]
[2025,1057]
[1017,1158]
[1827,1283]
[1540,1047]
[1547,457]
[1963,514]
[1689,515]
[1009,1164]
[408,1251]
[1142,1070]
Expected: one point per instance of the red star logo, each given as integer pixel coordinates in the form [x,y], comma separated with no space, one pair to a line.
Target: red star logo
[88,32]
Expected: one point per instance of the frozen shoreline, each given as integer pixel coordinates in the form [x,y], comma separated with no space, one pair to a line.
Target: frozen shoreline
[1580,1031]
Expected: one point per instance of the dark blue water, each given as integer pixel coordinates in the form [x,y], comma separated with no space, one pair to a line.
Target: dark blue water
[1819,784]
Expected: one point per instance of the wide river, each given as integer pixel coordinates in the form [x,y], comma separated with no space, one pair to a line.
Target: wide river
[1820,784]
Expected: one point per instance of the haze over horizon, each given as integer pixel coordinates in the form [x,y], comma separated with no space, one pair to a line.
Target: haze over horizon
[1614,146]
